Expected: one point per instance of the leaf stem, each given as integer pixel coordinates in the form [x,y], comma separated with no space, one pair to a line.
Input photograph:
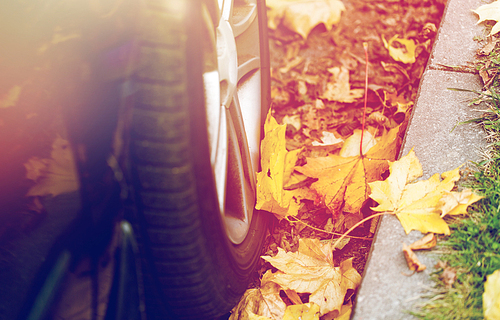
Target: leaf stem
[357,225]
[321,230]
[365,47]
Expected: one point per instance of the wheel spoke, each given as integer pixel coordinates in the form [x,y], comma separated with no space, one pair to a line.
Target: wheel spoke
[243,17]
[247,66]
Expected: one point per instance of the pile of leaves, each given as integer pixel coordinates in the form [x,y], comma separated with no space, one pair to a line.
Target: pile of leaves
[319,75]
[329,155]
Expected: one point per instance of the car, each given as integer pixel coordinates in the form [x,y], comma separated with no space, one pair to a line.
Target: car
[137,141]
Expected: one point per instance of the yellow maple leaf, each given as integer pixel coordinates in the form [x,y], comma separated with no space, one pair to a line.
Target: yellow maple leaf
[490,12]
[454,203]
[339,88]
[491,296]
[311,270]
[306,311]
[404,53]
[418,205]
[343,181]
[261,303]
[302,16]
[277,166]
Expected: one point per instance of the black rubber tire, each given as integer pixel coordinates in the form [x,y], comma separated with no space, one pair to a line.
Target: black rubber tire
[191,269]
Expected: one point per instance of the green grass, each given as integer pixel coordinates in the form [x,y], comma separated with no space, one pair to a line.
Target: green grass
[473,247]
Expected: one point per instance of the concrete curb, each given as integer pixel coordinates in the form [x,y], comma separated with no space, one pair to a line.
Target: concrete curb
[386,292]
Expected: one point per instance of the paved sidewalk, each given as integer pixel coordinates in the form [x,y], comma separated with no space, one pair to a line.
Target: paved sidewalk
[386,293]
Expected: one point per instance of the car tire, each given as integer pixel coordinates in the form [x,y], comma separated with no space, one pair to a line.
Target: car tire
[195,264]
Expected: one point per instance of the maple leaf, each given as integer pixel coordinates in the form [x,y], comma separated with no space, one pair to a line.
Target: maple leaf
[491,296]
[343,181]
[306,311]
[340,89]
[405,54]
[418,205]
[302,16]
[55,175]
[311,270]
[454,203]
[277,166]
[261,303]
[489,12]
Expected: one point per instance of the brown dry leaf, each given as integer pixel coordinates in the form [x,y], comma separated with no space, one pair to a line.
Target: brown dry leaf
[378,117]
[340,89]
[449,276]
[264,301]
[311,270]
[488,47]
[412,260]
[417,205]
[343,181]
[55,175]
[302,16]
[429,241]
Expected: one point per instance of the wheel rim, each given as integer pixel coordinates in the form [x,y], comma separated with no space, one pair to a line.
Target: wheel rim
[232,83]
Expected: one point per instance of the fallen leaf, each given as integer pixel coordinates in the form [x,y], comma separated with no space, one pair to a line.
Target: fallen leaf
[345,313]
[262,302]
[417,205]
[411,259]
[302,16]
[489,12]
[277,165]
[55,175]
[293,296]
[340,89]
[378,118]
[351,144]
[393,67]
[454,203]
[294,121]
[448,276]
[327,139]
[491,296]
[291,64]
[488,47]
[343,181]
[311,270]
[429,241]
[306,311]
[35,168]
[405,52]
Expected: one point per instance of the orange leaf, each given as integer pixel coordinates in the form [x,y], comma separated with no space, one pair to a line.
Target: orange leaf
[412,260]
[343,181]
[429,241]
